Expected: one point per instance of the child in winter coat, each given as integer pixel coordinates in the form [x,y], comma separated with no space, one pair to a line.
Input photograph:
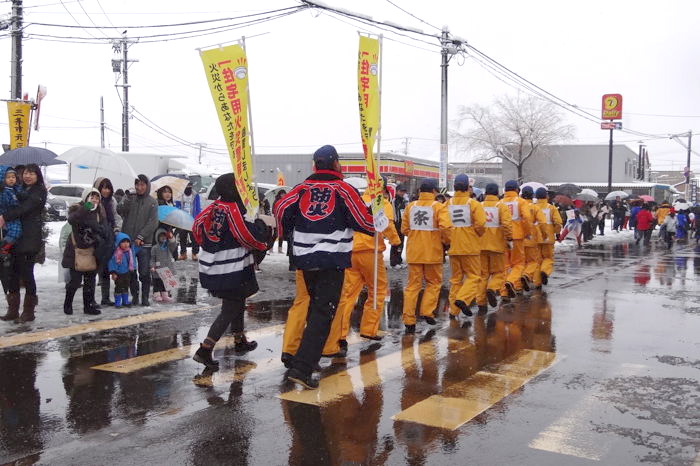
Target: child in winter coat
[121,266]
[669,226]
[162,256]
[8,199]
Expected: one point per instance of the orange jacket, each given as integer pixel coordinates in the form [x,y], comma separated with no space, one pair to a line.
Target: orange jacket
[362,242]
[468,218]
[520,214]
[552,223]
[426,224]
[661,214]
[499,226]
[538,225]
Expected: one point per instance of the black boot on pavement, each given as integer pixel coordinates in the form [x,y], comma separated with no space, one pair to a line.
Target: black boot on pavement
[545,278]
[410,329]
[491,298]
[68,301]
[203,356]
[511,290]
[463,307]
[430,320]
[13,301]
[297,376]
[525,282]
[483,310]
[242,344]
[287,359]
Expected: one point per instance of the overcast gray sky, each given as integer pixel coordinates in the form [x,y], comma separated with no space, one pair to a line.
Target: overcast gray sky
[303,70]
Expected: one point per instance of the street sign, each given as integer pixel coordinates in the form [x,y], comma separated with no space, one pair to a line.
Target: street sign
[610,125]
[612,107]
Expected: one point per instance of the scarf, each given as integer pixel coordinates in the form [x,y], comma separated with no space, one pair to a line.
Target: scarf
[119,254]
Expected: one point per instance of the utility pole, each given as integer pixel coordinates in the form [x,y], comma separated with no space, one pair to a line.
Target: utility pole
[610,161]
[405,145]
[102,122]
[445,42]
[640,163]
[687,166]
[122,65]
[16,62]
[199,159]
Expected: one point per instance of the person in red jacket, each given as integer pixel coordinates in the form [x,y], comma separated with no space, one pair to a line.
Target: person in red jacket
[645,224]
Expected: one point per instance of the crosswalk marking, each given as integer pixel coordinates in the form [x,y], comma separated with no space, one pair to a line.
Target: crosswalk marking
[174,354]
[371,373]
[45,335]
[463,401]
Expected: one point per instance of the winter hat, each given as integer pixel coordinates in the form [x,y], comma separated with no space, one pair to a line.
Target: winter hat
[527,192]
[226,188]
[491,189]
[87,192]
[326,154]
[541,193]
[511,185]
[428,184]
[142,178]
[10,170]
[461,181]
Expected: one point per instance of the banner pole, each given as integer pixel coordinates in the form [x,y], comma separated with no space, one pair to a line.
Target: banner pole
[251,133]
[379,169]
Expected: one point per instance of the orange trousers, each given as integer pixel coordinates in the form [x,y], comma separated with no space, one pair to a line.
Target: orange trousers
[493,274]
[360,274]
[296,317]
[533,261]
[432,274]
[465,280]
[517,264]
[547,252]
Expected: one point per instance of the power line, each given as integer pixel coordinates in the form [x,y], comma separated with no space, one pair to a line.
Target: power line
[74,19]
[412,15]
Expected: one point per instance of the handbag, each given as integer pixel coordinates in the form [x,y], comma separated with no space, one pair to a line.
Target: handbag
[85,260]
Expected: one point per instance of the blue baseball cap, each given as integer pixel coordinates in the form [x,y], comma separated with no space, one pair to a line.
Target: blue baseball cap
[541,193]
[428,183]
[491,189]
[511,185]
[326,153]
[462,179]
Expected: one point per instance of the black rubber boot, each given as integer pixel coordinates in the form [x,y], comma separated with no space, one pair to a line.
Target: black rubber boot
[104,286]
[68,301]
[545,278]
[89,306]
[203,356]
[297,376]
[491,298]
[525,282]
[463,307]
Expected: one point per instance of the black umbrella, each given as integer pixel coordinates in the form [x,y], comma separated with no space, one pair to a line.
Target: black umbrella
[27,155]
[568,189]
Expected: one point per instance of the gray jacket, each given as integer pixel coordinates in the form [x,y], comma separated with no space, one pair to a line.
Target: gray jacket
[140,216]
[163,257]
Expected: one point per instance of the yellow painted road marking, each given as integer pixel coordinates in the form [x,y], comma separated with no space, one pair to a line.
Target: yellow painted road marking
[174,354]
[463,401]
[34,337]
[371,373]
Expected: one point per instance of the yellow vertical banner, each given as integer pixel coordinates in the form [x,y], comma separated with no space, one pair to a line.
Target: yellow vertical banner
[18,114]
[370,107]
[226,69]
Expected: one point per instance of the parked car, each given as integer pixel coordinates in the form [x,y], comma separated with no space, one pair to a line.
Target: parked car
[267,192]
[56,209]
[70,193]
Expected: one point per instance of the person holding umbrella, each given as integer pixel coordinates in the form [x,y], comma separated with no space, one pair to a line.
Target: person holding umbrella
[140,214]
[29,211]
[191,203]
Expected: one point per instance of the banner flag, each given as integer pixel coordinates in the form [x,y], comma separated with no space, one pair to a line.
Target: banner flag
[18,113]
[370,110]
[280,178]
[226,69]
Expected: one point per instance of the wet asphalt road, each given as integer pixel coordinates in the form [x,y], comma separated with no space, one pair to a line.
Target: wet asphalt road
[602,368]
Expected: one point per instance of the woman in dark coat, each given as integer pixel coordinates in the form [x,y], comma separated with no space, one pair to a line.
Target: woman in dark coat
[89,229]
[109,204]
[23,257]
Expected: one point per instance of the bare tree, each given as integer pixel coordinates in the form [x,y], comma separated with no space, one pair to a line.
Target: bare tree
[513,128]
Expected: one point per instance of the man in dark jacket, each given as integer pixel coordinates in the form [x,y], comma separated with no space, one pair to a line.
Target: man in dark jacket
[395,259]
[140,220]
[322,214]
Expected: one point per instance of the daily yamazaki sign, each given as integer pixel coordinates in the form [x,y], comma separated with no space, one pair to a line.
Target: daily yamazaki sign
[612,107]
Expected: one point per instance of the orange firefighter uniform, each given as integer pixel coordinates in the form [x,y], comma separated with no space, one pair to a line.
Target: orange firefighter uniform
[426,225]
[360,274]
[468,219]
[522,225]
[533,258]
[498,231]
[552,226]
[296,317]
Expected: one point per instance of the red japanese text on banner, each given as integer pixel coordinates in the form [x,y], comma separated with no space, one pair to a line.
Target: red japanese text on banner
[226,69]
